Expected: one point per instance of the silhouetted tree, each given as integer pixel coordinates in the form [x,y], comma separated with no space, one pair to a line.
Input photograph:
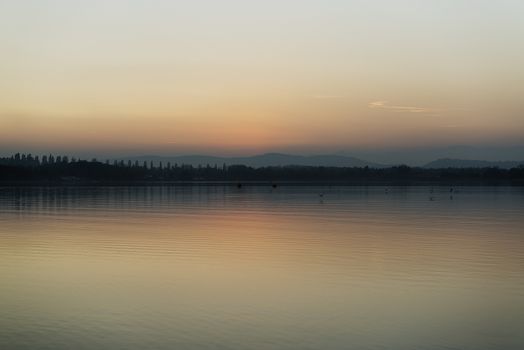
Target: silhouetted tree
[20,167]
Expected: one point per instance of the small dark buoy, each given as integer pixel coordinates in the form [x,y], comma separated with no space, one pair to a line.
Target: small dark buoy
[321,194]
[274,185]
[451,190]
[239,185]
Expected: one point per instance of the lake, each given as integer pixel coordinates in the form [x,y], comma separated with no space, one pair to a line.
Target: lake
[295,267]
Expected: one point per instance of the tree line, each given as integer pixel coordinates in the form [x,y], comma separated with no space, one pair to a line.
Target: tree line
[28,168]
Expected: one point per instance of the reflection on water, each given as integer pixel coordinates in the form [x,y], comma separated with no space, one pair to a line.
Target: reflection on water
[216,267]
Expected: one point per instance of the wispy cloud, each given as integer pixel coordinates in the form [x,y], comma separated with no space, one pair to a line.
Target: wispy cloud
[395,108]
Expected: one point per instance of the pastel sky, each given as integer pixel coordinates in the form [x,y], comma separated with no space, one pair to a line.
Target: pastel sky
[243,77]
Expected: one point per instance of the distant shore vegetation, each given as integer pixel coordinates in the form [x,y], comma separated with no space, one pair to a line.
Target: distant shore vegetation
[26,168]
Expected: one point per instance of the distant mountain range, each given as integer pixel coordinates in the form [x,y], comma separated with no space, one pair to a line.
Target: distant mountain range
[280,159]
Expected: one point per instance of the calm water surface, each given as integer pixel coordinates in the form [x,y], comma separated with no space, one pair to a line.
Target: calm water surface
[215,267]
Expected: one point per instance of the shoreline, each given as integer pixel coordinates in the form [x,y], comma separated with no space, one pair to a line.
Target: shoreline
[260,183]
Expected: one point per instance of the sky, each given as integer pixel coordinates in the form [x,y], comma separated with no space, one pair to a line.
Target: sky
[245,77]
